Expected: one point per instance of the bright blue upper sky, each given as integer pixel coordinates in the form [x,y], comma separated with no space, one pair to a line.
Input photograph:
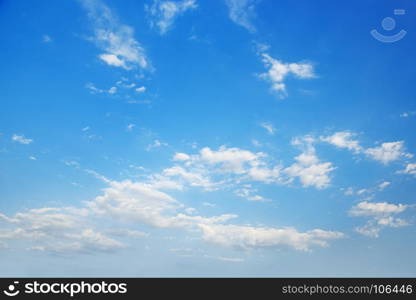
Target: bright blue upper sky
[207,138]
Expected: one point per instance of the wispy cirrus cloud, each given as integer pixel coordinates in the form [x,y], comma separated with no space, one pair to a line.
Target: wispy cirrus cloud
[163,14]
[381,214]
[117,40]
[269,127]
[242,12]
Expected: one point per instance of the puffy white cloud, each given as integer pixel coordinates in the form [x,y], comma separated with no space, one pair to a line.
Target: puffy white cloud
[112,90]
[310,171]
[164,13]
[233,164]
[343,139]
[113,60]
[181,157]
[377,209]
[269,127]
[410,169]
[248,237]
[117,40]
[388,152]
[21,139]
[142,203]
[381,215]
[278,71]
[69,230]
[232,160]
[241,12]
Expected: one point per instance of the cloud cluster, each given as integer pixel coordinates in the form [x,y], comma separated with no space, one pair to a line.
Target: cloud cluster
[248,237]
[58,230]
[381,214]
[385,153]
[236,165]
[141,203]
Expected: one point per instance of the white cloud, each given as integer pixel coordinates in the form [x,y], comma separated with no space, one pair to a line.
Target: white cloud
[46,38]
[60,230]
[241,12]
[256,143]
[231,160]
[181,157]
[309,169]
[278,71]
[142,203]
[343,139]
[408,114]
[156,144]
[381,215]
[248,237]
[349,191]
[250,194]
[127,233]
[208,204]
[383,185]
[86,128]
[196,178]
[141,89]
[269,127]
[410,169]
[385,153]
[21,139]
[112,90]
[164,13]
[113,60]
[117,40]
[69,230]
[388,152]
[32,158]
[235,166]
[130,127]
[226,259]
[92,88]
[376,209]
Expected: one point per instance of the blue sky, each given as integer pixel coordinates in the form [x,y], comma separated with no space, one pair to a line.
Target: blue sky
[207,138]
